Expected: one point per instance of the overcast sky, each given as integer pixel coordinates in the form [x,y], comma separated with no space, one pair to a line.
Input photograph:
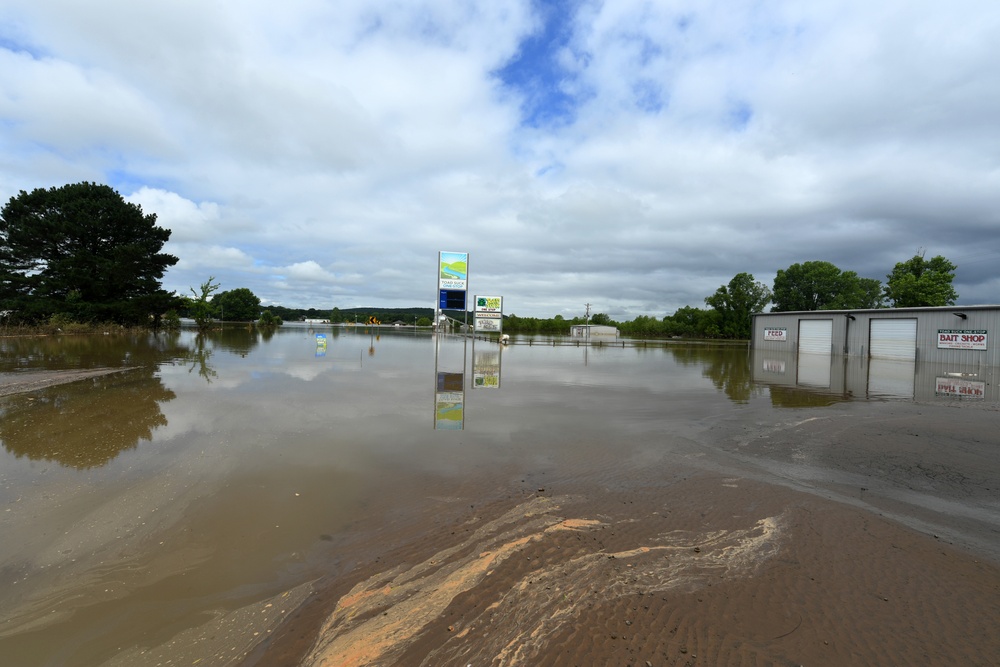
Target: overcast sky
[630,155]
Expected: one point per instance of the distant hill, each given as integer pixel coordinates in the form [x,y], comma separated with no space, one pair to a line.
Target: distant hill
[386,315]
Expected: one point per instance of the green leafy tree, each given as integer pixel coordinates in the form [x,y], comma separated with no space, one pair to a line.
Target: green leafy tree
[268,319]
[822,286]
[690,322]
[83,251]
[602,319]
[922,282]
[869,293]
[238,305]
[201,308]
[736,302]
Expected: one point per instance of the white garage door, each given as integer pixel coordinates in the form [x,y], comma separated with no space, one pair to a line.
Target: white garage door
[893,339]
[815,336]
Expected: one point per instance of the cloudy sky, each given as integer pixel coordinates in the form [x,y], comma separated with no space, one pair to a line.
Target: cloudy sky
[631,155]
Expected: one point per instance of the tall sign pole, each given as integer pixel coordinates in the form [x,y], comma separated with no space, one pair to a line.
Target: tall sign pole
[453,283]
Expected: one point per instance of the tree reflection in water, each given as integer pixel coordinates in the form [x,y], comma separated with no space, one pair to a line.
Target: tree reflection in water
[88,423]
[199,356]
[728,367]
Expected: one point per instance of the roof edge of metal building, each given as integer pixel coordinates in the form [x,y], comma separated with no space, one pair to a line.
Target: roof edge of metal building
[912,309]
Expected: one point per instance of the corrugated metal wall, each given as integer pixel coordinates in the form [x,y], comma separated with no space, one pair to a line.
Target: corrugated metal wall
[851,332]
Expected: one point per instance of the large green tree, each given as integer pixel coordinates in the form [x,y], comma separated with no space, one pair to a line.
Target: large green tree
[921,282]
[736,302]
[81,250]
[821,285]
[238,305]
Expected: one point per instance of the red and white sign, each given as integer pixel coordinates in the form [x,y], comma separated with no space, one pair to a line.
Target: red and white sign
[962,339]
[775,333]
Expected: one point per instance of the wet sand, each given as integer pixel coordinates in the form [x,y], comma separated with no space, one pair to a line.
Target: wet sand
[696,564]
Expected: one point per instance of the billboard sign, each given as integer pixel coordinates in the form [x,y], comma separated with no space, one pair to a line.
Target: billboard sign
[489,322]
[489,314]
[453,270]
[489,304]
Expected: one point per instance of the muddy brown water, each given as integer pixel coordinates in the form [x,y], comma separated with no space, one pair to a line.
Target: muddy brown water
[153,485]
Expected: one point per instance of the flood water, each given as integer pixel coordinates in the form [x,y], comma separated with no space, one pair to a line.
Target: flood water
[219,470]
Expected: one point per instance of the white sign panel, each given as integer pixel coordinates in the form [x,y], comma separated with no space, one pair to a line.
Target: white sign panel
[489,322]
[962,339]
[776,333]
[489,304]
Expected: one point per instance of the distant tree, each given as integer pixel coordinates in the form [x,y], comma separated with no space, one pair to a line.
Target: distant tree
[200,307]
[643,326]
[81,250]
[602,319]
[691,322]
[922,282]
[336,317]
[238,305]
[424,322]
[736,302]
[821,285]
[268,319]
[870,294]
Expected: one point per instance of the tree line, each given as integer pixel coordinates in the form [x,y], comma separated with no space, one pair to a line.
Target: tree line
[82,253]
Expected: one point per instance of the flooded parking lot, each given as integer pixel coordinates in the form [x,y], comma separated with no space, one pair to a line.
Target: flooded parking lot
[180,478]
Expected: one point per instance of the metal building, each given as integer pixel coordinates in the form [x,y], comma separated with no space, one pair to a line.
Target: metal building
[956,334]
[949,351]
[592,331]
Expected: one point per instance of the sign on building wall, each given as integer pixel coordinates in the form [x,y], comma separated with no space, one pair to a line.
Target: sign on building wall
[779,334]
[962,339]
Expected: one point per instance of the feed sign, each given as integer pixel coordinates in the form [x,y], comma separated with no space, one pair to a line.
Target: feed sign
[776,333]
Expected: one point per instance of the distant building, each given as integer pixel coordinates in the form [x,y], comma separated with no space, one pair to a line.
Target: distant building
[592,331]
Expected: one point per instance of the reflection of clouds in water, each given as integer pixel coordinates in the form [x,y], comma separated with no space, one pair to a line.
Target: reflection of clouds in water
[306,372]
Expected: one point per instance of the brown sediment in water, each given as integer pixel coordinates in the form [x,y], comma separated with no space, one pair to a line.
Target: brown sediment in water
[710,570]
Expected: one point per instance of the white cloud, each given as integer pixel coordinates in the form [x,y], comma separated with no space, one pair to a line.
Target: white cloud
[322,153]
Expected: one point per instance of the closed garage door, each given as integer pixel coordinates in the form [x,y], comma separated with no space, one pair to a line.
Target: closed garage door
[815,336]
[893,339]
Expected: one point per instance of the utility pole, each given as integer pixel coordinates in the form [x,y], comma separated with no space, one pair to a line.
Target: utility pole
[588,321]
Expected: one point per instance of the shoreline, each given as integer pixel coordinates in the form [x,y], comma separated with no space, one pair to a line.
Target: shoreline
[709,570]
